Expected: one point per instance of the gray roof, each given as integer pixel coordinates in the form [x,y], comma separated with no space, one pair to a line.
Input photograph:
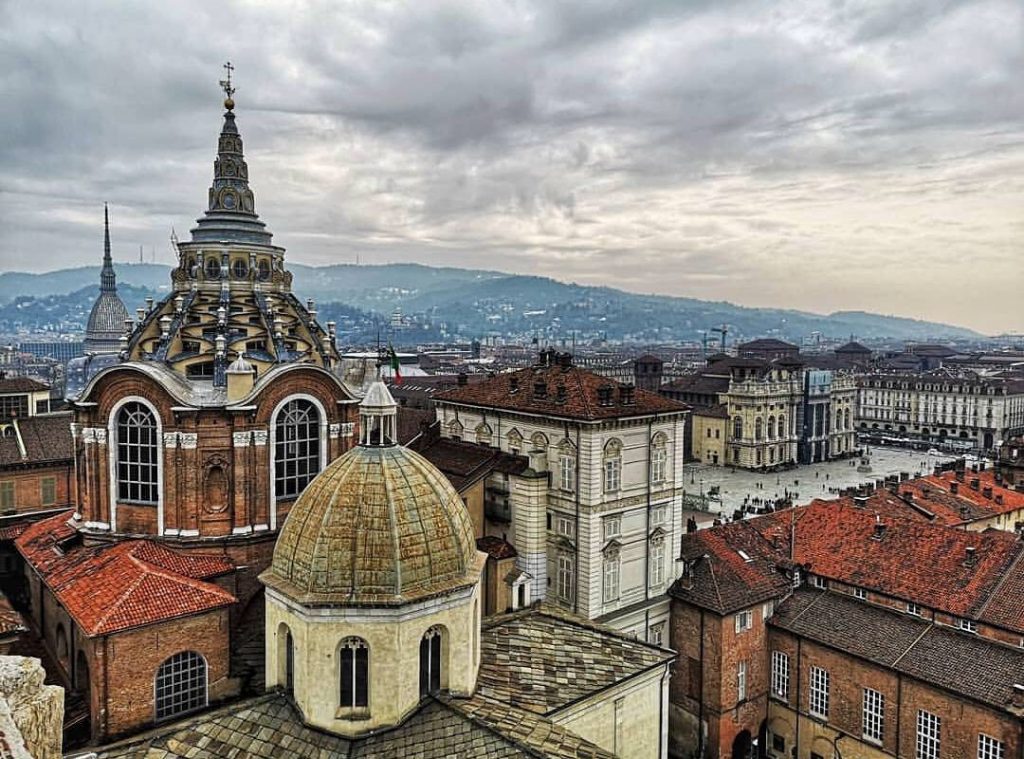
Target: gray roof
[542,661]
[270,726]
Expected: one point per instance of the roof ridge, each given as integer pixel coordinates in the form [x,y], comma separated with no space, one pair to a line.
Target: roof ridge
[810,605]
[101,622]
[170,574]
[1004,576]
[928,628]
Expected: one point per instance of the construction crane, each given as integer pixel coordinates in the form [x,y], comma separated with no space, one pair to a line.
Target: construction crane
[723,331]
[174,243]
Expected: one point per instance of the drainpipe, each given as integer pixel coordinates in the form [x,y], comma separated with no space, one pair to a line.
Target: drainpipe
[576,565]
[797,710]
[700,694]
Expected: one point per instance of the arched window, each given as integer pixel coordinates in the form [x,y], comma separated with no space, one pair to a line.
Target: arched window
[771,428]
[515,442]
[612,466]
[354,664]
[846,420]
[63,652]
[783,432]
[431,661]
[289,662]
[659,457]
[137,452]
[180,685]
[758,429]
[296,447]
[483,434]
[737,428]
[455,429]
[567,466]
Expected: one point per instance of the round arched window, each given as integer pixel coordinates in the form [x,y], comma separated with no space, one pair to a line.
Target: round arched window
[180,685]
[239,269]
[212,267]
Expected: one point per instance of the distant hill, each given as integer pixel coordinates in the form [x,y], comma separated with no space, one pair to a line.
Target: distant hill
[447,302]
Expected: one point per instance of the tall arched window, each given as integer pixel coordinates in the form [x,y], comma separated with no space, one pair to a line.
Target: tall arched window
[737,428]
[137,451]
[758,429]
[289,663]
[354,665]
[846,420]
[612,466]
[180,685]
[296,447]
[430,661]
[771,428]
[659,457]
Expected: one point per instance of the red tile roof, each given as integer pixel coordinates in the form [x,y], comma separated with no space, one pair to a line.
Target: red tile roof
[915,560]
[114,587]
[495,547]
[581,399]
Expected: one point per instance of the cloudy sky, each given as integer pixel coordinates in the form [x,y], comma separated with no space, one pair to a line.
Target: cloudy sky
[814,154]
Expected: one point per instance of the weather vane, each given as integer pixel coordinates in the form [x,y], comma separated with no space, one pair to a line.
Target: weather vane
[226,83]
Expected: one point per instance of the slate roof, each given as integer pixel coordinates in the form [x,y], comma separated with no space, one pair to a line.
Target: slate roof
[119,586]
[533,663]
[854,348]
[581,395]
[718,411]
[541,660]
[703,384]
[269,727]
[46,437]
[961,662]
[464,463]
[9,385]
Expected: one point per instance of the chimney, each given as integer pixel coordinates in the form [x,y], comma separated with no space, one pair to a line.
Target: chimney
[975,483]
[879,532]
[987,492]
[626,395]
[540,390]
[513,384]
[463,380]
[960,475]
[560,394]
[999,498]
[954,488]
[860,501]
[908,496]
[1017,697]
[970,557]
[604,395]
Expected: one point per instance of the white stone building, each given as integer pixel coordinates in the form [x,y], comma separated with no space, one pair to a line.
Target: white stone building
[969,411]
[599,534]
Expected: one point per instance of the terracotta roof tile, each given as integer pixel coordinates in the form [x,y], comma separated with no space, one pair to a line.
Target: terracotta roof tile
[581,395]
[113,587]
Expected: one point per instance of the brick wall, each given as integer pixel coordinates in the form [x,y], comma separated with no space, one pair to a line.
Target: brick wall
[28,486]
[132,659]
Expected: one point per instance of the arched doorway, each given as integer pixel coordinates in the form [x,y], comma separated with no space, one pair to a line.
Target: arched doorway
[741,745]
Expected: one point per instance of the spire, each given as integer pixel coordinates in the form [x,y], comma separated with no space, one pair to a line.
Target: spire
[231,206]
[108,280]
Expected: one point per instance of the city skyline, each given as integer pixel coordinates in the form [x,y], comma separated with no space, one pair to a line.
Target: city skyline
[795,157]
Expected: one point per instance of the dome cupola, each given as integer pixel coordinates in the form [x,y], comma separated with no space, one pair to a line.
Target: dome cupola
[376,579]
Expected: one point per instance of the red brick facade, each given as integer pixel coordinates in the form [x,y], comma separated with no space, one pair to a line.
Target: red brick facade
[30,491]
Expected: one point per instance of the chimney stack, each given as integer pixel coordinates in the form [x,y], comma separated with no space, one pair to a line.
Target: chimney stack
[970,556]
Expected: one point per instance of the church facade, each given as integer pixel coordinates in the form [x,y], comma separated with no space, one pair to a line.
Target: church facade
[191,442]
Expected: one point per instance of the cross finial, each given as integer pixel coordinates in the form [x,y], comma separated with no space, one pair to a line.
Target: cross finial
[226,83]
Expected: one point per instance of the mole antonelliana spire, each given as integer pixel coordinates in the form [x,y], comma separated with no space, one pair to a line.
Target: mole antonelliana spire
[106,320]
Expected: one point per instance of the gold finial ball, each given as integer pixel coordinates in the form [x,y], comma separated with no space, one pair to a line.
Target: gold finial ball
[229,103]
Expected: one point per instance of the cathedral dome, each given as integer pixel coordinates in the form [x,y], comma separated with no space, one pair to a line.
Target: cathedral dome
[381,526]
[106,322]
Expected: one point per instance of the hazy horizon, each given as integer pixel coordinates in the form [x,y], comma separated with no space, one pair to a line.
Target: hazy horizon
[813,155]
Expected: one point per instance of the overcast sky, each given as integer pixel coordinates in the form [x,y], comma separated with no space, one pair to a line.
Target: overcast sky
[814,154]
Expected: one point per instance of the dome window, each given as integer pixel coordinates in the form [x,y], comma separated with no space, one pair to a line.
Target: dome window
[354,664]
[431,661]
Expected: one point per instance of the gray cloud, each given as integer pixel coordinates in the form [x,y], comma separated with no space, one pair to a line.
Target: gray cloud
[817,154]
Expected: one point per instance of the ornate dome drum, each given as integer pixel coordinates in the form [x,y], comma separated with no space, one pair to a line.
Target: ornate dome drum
[380,526]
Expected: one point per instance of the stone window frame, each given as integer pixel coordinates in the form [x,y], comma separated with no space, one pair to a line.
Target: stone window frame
[273,434]
[136,451]
[432,661]
[611,466]
[354,700]
[611,575]
[659,457]
[990,748]
[780,675]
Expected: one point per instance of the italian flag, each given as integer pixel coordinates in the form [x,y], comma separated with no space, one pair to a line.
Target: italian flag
[393,363]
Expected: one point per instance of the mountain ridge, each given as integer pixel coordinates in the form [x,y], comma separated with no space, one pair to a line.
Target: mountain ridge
[475,302]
